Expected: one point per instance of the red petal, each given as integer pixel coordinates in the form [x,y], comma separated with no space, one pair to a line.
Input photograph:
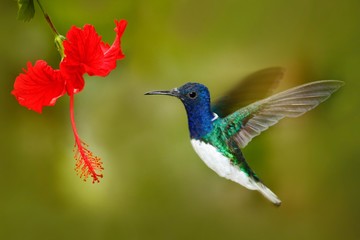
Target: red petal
[38,86]
[82,49]
[113,53]
[85,50]
[73,76]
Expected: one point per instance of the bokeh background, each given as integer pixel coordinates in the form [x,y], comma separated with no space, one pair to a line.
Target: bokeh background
[154,185]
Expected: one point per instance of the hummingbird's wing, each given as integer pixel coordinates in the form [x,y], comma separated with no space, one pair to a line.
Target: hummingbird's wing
[256,86]
[250,121]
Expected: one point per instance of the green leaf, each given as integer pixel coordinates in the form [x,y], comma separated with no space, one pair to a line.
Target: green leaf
[26,10]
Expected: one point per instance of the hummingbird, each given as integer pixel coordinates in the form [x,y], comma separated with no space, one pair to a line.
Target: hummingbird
[219,131]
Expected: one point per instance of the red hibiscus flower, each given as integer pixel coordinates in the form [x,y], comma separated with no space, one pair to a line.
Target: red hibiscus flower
[41,85]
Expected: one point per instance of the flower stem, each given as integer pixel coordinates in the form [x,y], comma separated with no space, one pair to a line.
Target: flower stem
[47,18]
[86,163]
[58,37]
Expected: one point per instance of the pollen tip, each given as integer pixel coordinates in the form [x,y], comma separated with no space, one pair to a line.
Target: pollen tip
[96,178]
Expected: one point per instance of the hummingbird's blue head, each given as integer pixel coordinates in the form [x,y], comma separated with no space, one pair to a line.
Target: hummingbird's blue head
[196,99]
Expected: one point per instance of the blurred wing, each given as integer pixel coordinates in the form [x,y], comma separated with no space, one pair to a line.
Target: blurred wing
[252,88]
[259,116]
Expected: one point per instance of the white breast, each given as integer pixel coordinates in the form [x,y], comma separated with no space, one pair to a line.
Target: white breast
[221,164]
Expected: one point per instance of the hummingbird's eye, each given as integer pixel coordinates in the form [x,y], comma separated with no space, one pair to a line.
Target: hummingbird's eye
[192,95]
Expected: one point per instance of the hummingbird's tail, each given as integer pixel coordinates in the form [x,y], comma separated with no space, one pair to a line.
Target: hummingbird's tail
[256,184]
[266,192]
[247,176]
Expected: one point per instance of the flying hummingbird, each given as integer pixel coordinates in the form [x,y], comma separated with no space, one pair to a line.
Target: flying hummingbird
[218,131]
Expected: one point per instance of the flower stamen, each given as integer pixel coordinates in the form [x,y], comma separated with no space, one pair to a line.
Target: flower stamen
[87,164]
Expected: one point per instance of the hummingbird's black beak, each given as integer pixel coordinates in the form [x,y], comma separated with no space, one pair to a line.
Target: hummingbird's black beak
[174,92]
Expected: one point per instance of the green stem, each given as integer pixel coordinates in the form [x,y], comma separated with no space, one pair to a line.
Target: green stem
[58,38]
[48,20]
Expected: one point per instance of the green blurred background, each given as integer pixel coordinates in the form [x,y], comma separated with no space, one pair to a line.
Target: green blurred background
[154,185]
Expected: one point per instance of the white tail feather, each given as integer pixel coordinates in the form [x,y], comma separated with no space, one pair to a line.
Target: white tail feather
[266,192]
